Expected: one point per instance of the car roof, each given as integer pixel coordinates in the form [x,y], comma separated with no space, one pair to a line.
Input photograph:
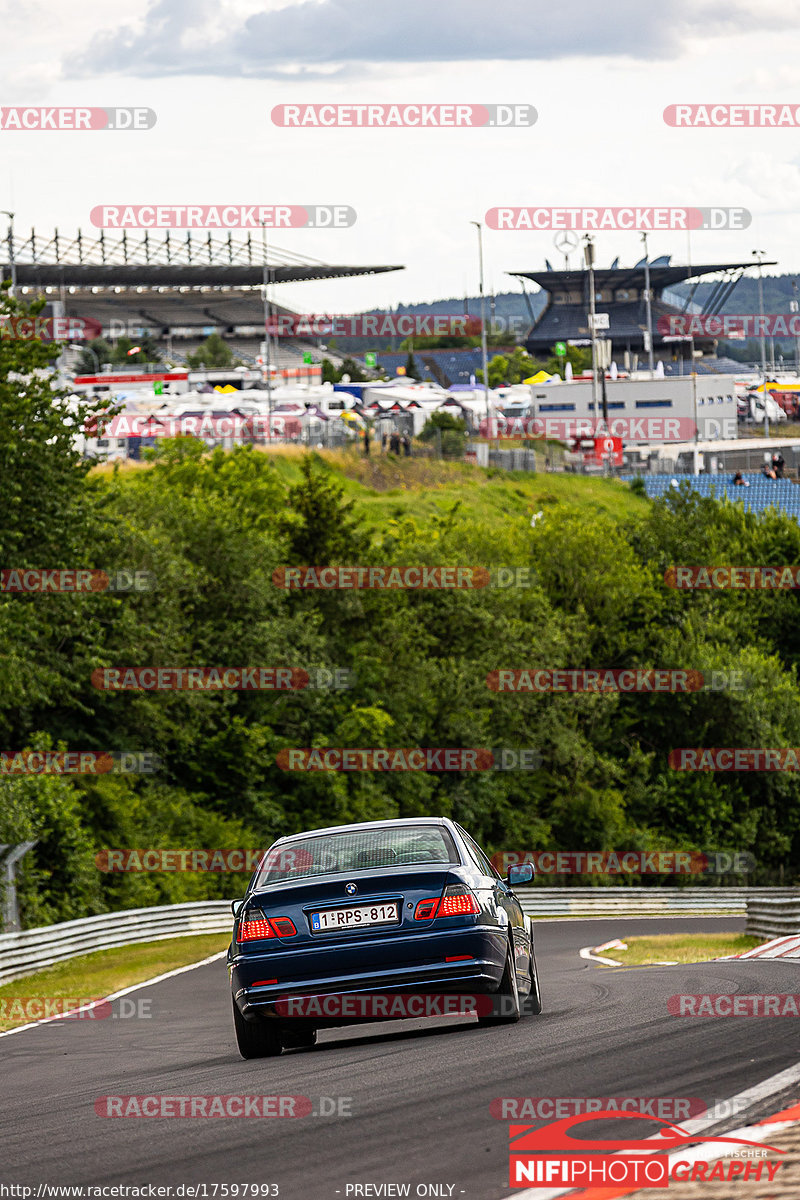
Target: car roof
[364,825]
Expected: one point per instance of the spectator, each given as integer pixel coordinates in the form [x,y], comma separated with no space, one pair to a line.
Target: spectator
[366,442]
[406,445]
[394,442]
[738,481]
[778,464]
[768,471]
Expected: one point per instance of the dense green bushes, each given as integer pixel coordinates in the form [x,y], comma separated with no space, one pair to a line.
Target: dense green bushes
[213,527]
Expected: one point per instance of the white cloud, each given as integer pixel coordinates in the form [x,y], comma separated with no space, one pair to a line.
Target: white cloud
[304,38]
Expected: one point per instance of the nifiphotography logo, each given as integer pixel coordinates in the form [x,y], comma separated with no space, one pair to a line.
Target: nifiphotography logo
[552,1156]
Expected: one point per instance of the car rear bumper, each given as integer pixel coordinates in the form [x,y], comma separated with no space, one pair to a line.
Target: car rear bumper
[461,961]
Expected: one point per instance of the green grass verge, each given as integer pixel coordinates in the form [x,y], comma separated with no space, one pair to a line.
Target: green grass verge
[93,976]
[386,488]
[681,947]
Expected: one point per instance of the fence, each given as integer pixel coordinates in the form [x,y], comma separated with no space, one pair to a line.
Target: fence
[638,901]
[32,949]
[773,916]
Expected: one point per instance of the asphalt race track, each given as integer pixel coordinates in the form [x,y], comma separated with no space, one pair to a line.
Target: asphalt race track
[419,1091]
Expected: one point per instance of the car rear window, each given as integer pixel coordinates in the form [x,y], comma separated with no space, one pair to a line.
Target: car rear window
[359,850]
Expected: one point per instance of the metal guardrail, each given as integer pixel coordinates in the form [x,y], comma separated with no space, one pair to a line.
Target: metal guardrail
[773,916]
[770,912]
[31,949]
[640,901]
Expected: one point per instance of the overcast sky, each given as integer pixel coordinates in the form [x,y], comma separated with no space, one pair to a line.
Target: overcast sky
[599,76]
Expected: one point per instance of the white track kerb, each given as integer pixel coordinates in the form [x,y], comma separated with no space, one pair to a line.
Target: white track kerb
[748,1099]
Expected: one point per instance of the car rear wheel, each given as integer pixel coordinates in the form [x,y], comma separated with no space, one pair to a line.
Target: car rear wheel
[532,1004]
[256,1039]
[506,1006]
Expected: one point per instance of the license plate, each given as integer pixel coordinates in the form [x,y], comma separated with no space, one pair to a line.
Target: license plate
[354,918]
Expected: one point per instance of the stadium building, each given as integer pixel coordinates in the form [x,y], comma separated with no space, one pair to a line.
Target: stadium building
[620,292]
[175,289]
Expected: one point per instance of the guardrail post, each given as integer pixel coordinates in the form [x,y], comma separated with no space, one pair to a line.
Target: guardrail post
[9,857]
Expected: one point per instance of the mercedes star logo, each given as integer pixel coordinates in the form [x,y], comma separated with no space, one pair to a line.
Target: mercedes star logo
[566,240]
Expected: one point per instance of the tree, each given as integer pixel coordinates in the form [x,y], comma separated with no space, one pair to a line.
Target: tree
[148,352]
[214,352]
[47,514]
[448,431]
[329,372]
[510,369]
[350,367]
[88,363]
[580,358]
[319,525]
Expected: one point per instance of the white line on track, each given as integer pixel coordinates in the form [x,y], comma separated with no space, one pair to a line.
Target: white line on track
[114,995]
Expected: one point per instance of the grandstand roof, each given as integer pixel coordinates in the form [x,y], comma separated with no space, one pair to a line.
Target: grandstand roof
[171,260]
[620,277]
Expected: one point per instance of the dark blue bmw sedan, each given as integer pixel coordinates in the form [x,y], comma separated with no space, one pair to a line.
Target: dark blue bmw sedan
[337,917]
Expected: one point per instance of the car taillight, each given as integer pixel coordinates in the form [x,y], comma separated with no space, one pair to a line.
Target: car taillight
[283,926]
[457,901]
[259,930]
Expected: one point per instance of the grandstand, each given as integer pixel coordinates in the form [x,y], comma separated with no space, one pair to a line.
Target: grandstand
[621,293]
[444,367]
[175,289]
[761,495]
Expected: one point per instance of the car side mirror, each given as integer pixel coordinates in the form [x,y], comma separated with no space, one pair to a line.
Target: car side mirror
[522,874]
[236,907]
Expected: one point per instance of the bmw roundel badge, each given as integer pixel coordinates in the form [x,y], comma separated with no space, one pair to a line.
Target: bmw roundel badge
[351,889]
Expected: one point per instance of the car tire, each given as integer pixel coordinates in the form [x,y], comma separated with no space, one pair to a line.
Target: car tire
[256,1039]
[506,1004]
[298,1039]
[532,1004]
